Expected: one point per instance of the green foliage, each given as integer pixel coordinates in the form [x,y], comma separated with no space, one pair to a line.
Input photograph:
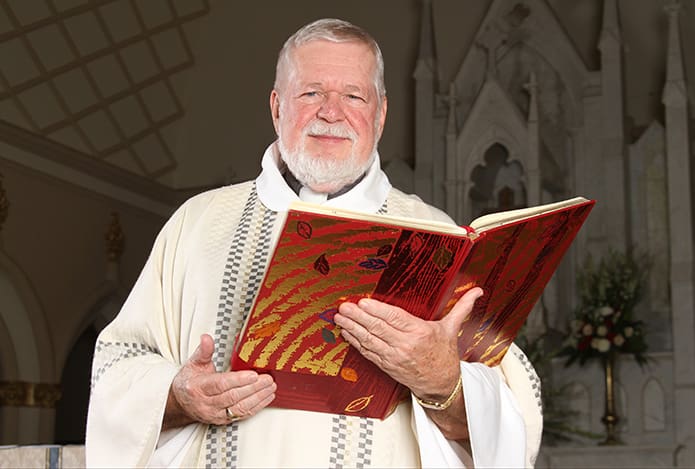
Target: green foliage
[604,322]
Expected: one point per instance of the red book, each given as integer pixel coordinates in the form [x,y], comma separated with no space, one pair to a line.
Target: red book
[326,256]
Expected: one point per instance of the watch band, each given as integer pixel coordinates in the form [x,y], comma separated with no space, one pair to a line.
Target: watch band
[441,405]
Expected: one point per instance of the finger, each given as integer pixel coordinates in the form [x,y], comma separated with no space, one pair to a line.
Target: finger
[380,319]
[248,400]
[463,307]
[389,314]
[202,356]
[364,351]
[368,331]
[217,384]
[236,412]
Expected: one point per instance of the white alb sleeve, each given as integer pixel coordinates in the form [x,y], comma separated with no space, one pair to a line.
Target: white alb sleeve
[495,424]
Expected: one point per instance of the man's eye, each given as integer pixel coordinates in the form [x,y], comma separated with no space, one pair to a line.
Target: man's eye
[354,97]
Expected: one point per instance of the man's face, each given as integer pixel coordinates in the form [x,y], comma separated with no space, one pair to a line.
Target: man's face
[326,113]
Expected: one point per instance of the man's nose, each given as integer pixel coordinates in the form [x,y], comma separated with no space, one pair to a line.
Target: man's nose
[331,109]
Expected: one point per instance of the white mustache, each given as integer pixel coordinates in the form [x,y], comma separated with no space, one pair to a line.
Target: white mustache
[329,130]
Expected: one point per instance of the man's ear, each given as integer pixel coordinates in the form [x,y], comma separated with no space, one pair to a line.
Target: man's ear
[275,109]
[382,116]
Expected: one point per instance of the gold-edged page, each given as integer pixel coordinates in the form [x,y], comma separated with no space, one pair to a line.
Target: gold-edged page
[406,222]
[492,220]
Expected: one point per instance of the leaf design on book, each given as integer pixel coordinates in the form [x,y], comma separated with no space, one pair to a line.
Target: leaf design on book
[321,265]
[328,335]
[442,258]
[373,264]
[358,404]
[349,374]
[304,229]
[415,243]
[384,250]
[267,330]
[328,315]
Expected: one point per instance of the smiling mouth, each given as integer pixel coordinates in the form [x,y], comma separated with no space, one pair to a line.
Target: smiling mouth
[330,138]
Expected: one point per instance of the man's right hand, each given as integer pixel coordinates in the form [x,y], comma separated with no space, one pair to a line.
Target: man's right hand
[199,393]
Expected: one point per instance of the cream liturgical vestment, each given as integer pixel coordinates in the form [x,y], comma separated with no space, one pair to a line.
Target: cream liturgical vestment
[201,277]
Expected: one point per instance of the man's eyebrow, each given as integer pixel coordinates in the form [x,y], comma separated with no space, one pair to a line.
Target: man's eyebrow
[354,88]
[348,88]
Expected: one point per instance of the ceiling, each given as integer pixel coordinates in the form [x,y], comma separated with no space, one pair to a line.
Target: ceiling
[104,77]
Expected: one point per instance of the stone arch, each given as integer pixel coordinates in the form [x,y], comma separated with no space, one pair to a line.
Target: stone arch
[579,402]
[71,411]
[653,407]
[27,353]
[498,184]
[493,134]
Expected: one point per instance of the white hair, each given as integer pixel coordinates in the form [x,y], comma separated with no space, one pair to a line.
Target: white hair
[334,30]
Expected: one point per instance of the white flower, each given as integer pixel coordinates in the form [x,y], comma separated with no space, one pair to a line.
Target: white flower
[605,311]
[619,340]
[628,331]
[602,345]
[601,330]
[588,329]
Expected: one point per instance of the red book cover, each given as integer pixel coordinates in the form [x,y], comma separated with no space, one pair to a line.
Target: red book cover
[324,259]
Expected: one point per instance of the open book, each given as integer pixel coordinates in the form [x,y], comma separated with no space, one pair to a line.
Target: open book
[326,256]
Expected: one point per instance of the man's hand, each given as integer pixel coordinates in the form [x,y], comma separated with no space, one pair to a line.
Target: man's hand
[199,393]
[422,355]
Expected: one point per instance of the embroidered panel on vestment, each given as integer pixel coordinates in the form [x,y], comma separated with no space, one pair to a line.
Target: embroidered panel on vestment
[351,441]
[242,275]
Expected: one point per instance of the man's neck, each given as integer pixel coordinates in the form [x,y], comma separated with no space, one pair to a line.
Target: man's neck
[297,186]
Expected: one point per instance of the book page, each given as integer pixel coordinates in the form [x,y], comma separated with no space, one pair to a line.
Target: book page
[492,220]
[407,222]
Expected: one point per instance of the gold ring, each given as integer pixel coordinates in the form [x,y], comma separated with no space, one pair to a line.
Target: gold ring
[231,415]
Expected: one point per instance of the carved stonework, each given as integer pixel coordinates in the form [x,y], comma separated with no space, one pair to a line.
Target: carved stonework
[4,204]
[114,238]
[23,394]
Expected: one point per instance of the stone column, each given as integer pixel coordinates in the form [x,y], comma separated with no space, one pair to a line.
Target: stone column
[425,77]
[679,188]
[613,137]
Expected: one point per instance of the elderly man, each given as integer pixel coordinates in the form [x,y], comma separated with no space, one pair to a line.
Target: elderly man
[162,391]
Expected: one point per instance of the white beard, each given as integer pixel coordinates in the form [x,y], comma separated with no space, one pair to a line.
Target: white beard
[320,170]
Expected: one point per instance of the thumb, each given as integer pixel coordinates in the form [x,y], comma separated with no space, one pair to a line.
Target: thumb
[463,307]
[203,354]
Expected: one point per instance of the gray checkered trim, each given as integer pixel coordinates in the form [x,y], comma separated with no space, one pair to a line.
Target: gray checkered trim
[241,279]
[532,376]
[108,354]
[338,442]
[349,447]
[364,443]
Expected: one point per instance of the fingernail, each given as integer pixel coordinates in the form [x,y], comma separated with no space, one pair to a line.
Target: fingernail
[365,303]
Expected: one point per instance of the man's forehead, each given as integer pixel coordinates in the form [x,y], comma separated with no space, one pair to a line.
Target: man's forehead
[325,47]
[349,59]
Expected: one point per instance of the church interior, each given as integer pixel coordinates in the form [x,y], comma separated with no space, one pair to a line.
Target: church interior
[113,112]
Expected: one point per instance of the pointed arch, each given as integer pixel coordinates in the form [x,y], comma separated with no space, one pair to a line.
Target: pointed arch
[100,307]
[27,353]
[653,406]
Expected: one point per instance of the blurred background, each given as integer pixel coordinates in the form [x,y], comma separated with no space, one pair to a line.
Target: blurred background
[113,112]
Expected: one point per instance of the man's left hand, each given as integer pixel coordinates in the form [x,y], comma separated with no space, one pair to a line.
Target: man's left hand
[422,355]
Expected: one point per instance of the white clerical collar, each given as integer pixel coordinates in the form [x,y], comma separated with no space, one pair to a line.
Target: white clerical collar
[368,195]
